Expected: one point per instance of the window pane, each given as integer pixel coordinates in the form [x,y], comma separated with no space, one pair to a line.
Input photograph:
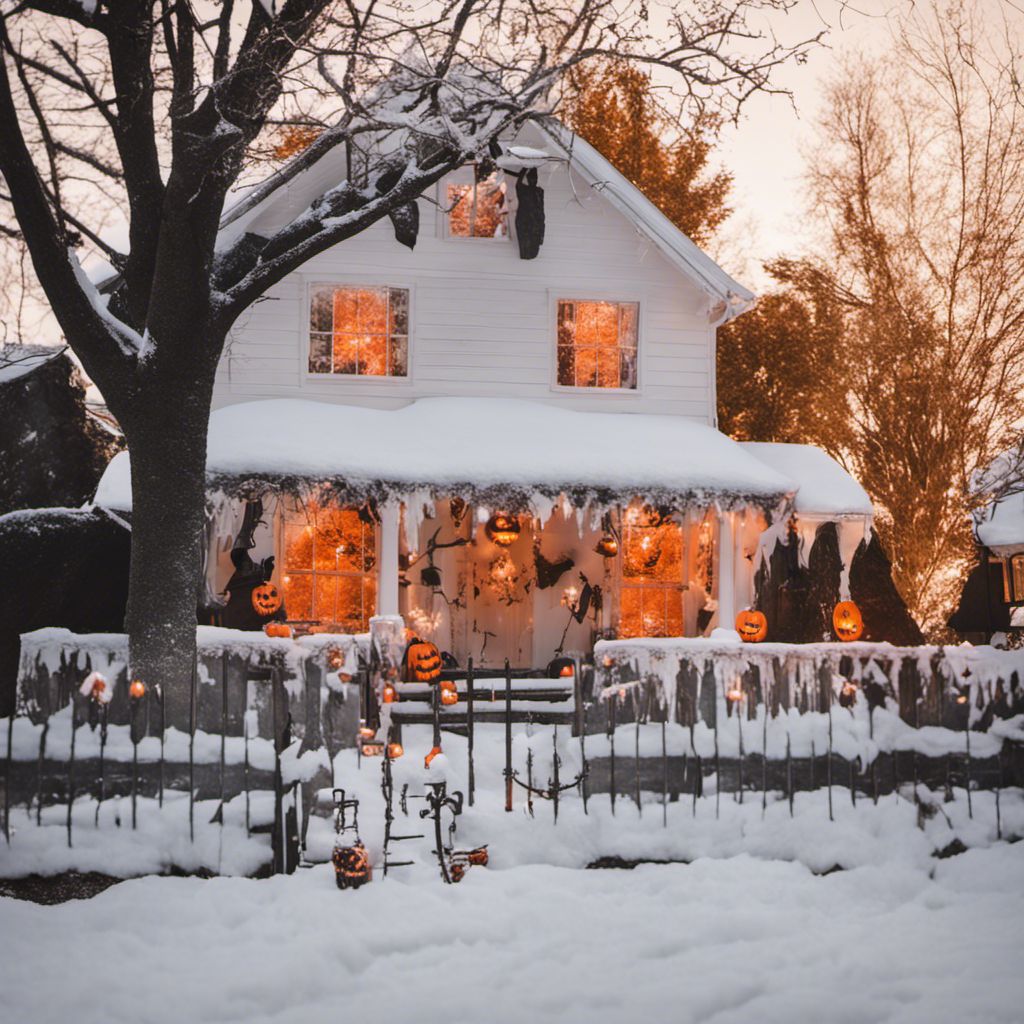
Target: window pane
[372,310]
[346,353]
[608,368]
[627,368]
[489,221]
[320,312]
[325,597]
[627,323]
[566,366]
[298,595]
[399,357]
[586,367]
[319,353]
[631,613]
[298,544]
[460,200]
[373,355]
[399,309]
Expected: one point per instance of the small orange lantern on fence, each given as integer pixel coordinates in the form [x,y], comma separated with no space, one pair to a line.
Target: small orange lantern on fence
[752,626]
[847,621]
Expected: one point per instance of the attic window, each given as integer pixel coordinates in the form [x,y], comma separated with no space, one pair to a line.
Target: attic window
[330,560]
[361,332]
[597,344]
[477,203]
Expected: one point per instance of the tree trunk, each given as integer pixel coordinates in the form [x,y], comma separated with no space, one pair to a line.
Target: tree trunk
[168,458]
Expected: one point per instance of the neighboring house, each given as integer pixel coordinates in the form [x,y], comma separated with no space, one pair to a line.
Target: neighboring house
[505,434]
[992,600]
[53,446]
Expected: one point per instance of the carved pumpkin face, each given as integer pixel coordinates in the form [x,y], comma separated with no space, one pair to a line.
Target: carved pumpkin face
[449,697]
[847,621]
[752,626]
[422,662]
[351,865]
[266,599]
[502,529]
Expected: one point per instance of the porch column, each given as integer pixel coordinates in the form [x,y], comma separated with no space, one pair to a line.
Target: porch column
[726,574]
[387,574]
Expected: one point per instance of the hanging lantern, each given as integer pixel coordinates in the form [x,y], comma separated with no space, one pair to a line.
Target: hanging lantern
[137,690]
[607,546]
[735,695]
[502,529]
[395,750]
[389,695]
[351,865]
[752,626]
[847,621]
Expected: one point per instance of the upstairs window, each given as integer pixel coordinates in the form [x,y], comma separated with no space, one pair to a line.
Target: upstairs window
[361,332]
[477,203]
[330,560]
[597,344]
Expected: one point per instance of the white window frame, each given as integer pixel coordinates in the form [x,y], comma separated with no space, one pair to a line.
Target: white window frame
[572,294]
[465,175]
[354,281]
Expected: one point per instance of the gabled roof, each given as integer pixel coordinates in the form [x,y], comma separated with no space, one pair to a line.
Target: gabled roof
[729,297]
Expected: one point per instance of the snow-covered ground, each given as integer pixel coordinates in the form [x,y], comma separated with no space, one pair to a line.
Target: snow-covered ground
[734,940]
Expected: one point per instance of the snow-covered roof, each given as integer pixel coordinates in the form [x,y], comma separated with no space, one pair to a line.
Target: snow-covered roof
[17,361]
[479,444]
[824,488]
[1000,525]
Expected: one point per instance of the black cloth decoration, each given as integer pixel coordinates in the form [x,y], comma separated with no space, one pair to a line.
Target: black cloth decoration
[406,222]
[529,214]
[249,574]
[549,573]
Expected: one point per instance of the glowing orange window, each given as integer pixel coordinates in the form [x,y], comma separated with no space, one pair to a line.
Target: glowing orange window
[330,560]
[359,331]
[651,595]
[597,344]
[477,206]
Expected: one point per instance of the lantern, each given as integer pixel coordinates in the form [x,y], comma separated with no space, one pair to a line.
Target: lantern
[607,546]
[735,695]
[389,694]
[502,529]
[280,629]
[395,750]
[449,697]
[266,599]
[847,621]
[351,865]
[567,672]
[752,626]
[422,662]
[137,690]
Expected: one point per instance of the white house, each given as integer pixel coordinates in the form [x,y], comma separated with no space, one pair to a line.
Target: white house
[516,455]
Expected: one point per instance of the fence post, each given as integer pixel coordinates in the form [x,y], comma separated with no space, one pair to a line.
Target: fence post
[470,727]
[508,737]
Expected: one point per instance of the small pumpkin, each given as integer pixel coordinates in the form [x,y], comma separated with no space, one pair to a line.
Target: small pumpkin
[278,629]
[752,626]
[478,857]
[422,662]
[502,529]
[449,697]
[847,621]
[266,599]
[137,690]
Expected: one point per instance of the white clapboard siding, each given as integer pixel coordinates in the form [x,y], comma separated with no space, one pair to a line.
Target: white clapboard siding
[482,320]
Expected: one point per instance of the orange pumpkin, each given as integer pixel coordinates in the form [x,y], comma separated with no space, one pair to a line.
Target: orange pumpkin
[277,629]
[422,662]
[752,626]
[266,599]
[847,621]
[502,529]
[351,866]
[449,697]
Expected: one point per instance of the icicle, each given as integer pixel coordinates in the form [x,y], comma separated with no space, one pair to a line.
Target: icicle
[581,515]
[542,508]
[566,505]
[851,533]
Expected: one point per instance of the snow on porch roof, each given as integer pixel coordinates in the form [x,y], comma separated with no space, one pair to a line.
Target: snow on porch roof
[824,487]
[488,445]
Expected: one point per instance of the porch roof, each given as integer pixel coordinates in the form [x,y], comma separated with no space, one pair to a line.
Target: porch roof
[488,449]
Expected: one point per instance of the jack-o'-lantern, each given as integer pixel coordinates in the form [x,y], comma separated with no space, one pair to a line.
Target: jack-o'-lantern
[351,865]
[502,529]
[281,629]
[137,690]
[752,626]
[607,546]
[395,750]
[449,684]
[847,621]
[449,697]
[422,662]
[266,599]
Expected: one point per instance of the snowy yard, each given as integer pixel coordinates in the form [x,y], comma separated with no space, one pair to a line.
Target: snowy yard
[732,940]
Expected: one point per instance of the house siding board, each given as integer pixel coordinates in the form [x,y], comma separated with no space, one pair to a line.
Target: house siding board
[482,321]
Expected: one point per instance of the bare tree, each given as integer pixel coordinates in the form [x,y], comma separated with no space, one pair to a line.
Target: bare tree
[919,180]
[157,106]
